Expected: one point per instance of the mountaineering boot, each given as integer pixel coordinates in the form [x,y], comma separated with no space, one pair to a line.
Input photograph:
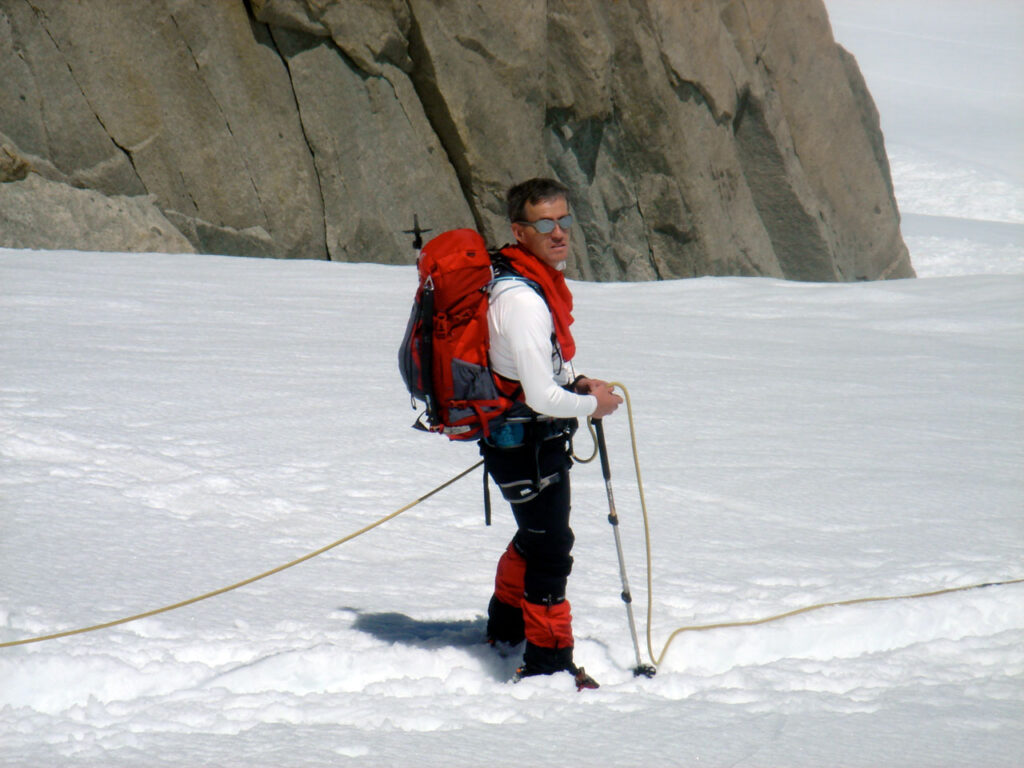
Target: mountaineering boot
[580,677]
[583,680]
[538,660]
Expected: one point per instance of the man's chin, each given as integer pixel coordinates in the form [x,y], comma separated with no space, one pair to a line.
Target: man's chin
[558,259]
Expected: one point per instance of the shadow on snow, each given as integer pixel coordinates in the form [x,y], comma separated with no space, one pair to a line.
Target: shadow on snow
[466,634]
[399,628]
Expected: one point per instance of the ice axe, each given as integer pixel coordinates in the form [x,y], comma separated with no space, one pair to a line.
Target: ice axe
[646,670]
[417,232]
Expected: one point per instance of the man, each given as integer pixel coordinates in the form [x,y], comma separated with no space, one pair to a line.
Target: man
[532,347]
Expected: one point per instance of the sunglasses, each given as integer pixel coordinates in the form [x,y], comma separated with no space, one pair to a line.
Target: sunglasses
[547,226]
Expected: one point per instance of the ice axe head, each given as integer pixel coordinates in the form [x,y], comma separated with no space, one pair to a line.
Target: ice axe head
[417,232]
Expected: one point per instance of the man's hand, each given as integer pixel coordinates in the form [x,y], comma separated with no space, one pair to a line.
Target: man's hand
[607,400]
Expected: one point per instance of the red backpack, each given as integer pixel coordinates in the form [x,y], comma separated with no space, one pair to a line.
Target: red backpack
[443,357]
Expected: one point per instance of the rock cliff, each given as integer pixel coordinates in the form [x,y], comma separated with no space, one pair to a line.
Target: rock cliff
[728,137]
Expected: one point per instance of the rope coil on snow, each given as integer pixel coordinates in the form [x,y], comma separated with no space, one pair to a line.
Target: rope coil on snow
[655,659]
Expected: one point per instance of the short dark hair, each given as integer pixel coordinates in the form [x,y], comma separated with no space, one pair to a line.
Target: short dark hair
[533,191]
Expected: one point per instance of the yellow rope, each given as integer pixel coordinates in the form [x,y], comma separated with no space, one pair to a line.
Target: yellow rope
[657,659]
[263,575]
[593,437]
[819,606]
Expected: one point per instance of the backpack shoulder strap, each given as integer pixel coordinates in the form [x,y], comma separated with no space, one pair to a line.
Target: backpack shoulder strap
[504,271]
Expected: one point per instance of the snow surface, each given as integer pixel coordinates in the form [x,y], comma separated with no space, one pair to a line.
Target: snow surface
[173,424]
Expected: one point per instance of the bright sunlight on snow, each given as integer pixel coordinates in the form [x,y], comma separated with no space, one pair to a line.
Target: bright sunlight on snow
[170,425]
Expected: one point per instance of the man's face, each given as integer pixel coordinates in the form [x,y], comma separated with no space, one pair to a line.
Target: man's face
[552,248]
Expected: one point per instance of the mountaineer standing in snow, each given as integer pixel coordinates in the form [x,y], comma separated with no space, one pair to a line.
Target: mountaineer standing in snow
[529,459]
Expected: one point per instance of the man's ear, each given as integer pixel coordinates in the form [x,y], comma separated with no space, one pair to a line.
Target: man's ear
[518,231]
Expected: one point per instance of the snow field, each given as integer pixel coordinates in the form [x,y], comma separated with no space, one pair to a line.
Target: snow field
[171,425]
[799,443]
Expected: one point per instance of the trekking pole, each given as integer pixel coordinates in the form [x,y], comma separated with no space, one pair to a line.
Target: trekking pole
[640,669]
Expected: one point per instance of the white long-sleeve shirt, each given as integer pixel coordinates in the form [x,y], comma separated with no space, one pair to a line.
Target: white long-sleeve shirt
[521,348]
